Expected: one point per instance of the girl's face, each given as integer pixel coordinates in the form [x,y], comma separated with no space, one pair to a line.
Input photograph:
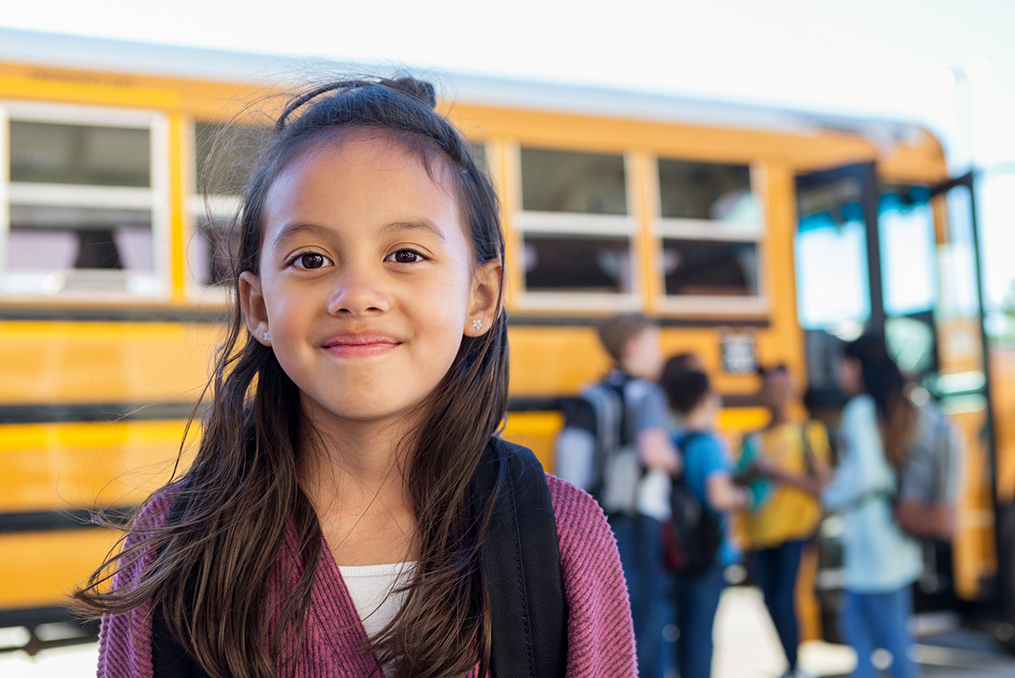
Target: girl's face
[849,374]
[367,282]
[777,390]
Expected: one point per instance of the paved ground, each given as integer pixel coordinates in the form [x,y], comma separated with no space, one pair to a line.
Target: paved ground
[747,647]
[745,641]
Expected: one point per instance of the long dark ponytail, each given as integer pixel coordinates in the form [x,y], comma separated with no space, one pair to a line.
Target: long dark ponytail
[886,385]
[240,496]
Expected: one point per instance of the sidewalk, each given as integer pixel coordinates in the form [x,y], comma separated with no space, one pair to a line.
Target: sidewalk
[746,646]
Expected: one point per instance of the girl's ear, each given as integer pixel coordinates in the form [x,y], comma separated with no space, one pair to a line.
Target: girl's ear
[484,302]
[254,311]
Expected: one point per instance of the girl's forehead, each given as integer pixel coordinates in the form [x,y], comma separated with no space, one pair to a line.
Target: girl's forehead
[374,174]
[379,148]
[386,154]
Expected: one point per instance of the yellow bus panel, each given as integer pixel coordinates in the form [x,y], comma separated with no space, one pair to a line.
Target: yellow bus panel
[54,467]
[86,362]
[39,569]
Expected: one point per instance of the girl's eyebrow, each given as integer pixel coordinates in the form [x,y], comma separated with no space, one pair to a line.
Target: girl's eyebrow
[293,229]
[418,225]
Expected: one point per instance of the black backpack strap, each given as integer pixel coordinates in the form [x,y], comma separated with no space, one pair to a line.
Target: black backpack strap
[685,438]
[169,659]
[529,635]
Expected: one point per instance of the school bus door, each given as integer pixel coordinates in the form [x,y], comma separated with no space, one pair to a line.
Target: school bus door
[904,261]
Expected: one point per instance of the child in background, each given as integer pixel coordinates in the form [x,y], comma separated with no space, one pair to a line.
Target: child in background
[708,474]
[880,561]
[328,525]
[790,462]
[637,470]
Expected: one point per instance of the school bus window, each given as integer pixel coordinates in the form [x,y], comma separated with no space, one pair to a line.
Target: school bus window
[576,231]
[908,250]
[830,248]
[560,263]
[479,154]
[710,227]
[564,181]
[51,153]
[706,191]
[223,158]
[710,268]
[80,208]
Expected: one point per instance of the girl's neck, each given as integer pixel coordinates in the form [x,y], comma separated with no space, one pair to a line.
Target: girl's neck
[355,477]
[339,462]
[778,418]
[698,420]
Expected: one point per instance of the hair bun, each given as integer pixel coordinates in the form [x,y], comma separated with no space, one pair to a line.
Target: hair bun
[420,89]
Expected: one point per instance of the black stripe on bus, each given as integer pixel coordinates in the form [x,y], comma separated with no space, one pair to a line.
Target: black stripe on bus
[50,521]
[110,412]
[591,321]
[112,314]
[221,315]
[73,630]
[555,404]
[95,412]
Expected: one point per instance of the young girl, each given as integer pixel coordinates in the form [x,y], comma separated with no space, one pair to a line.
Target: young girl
[881,562]
[790,463]
[330,524]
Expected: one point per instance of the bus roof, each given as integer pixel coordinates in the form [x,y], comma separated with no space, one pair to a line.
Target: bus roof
[121,56]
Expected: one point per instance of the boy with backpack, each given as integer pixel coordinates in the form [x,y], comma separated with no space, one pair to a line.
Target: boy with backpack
[708,480]
[616,446]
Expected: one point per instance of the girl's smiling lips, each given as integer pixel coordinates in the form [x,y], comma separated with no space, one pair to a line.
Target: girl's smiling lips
[360,345]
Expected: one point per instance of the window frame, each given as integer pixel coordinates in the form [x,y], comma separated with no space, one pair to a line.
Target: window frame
[196,210]
[709,230]
[576,223]
[123,285]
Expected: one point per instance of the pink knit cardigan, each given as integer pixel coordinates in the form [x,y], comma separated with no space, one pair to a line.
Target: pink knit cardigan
[600,636]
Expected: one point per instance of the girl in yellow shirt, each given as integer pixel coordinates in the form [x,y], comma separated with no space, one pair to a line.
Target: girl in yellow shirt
[789,462]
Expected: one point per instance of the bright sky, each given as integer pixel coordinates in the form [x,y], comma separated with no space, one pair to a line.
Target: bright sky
[886,58]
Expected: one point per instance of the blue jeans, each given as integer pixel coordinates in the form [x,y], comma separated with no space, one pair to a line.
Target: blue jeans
[775,572]
[697,600]
[641,554]
[878,620]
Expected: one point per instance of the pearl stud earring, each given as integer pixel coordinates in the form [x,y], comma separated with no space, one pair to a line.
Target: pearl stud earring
[267,335]
[477,324]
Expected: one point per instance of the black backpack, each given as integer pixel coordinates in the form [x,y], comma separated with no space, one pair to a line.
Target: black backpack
[529,634]
[692,537]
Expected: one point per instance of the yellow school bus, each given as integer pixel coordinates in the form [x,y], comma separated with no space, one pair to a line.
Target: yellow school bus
[752,235]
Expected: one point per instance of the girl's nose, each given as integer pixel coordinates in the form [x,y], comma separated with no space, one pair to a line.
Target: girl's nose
[358,293]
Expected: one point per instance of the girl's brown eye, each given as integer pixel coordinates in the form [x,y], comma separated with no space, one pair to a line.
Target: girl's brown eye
[311,260]
[407,257]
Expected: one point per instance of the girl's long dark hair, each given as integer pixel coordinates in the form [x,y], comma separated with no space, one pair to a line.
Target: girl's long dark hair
[241,495]
[885,383]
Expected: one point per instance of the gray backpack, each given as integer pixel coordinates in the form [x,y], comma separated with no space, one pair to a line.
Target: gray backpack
[596,450]
[925,498]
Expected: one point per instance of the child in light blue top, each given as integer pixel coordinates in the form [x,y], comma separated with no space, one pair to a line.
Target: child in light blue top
[878,556]
[881,563]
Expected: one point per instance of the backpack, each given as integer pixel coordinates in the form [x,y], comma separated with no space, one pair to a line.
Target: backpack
[528,606]
[596,450]
[693,535]
[924,502]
